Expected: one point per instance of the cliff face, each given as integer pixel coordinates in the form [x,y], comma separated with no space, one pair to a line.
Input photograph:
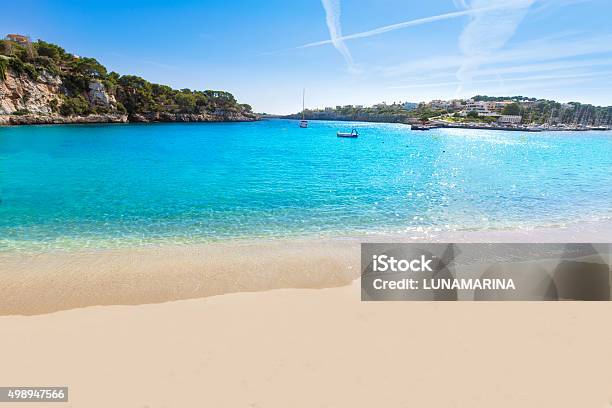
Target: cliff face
[42,83]
[20,93]
[24,100]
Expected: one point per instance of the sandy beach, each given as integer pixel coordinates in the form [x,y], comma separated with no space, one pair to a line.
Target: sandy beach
[58,280]
[310,342]
[317,348]
[285,206]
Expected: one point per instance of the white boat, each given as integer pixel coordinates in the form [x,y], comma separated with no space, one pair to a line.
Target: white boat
[303,122]
[353,134]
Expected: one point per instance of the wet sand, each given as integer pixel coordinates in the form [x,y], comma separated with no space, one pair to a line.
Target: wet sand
[52,281]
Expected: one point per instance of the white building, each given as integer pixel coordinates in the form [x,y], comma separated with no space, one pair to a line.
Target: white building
[486,108]
[439,104]
[481,107]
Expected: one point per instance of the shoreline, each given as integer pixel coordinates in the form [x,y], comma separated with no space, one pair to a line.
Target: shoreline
[36,119]
[51,281]
[590,229]
[445,125]
[438,124]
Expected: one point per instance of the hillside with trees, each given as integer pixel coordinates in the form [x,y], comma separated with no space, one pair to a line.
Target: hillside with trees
[42,79]
[531,110]
[392,113]
[544,111]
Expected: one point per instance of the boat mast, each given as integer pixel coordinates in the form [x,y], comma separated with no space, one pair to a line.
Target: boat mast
[303,96]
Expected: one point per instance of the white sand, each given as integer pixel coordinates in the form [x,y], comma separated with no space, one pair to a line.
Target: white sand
[316,348]
[288,347]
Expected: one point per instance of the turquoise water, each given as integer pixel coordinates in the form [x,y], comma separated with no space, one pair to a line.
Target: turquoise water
[104,185]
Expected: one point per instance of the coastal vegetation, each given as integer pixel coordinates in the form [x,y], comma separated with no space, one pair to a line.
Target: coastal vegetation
[544,111]
[80,86]
[530,110]
[394,113]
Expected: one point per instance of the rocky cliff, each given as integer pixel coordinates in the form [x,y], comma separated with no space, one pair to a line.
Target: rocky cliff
[40,83]
[20,93]
[23,99]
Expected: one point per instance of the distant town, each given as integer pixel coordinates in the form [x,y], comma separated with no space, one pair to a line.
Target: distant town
[508,113]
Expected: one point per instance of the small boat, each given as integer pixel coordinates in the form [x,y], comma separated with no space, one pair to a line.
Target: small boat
[353,134]
[303,122]
[421,127]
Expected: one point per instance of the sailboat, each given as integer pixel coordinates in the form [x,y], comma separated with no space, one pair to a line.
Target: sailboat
[303,122]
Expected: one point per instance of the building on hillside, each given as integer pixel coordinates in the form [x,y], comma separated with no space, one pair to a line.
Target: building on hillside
[510,119]
[439,104]
[480,107]
[18,38]
[486,108]
[456,103]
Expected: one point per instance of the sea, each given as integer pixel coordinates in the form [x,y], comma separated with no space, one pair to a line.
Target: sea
[109,185]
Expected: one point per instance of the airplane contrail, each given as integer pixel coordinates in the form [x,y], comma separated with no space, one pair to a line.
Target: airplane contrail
[332,18]
[410,23]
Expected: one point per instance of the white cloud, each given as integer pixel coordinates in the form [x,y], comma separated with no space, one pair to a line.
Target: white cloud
[460,4]
[405,24]
[545,49]
[486,33]
[532,78]
[332,18]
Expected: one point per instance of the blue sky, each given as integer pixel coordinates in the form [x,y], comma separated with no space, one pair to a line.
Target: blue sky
[341,51]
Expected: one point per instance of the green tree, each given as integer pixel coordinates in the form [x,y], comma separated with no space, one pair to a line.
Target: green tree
[89,67]
[6,47]
[52,51]
[75,106]
[512,109]
[186,102]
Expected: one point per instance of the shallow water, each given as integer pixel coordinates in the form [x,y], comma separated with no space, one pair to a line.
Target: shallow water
[104,185]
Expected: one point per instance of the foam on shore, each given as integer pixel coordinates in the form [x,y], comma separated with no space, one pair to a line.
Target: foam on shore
[52,281]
